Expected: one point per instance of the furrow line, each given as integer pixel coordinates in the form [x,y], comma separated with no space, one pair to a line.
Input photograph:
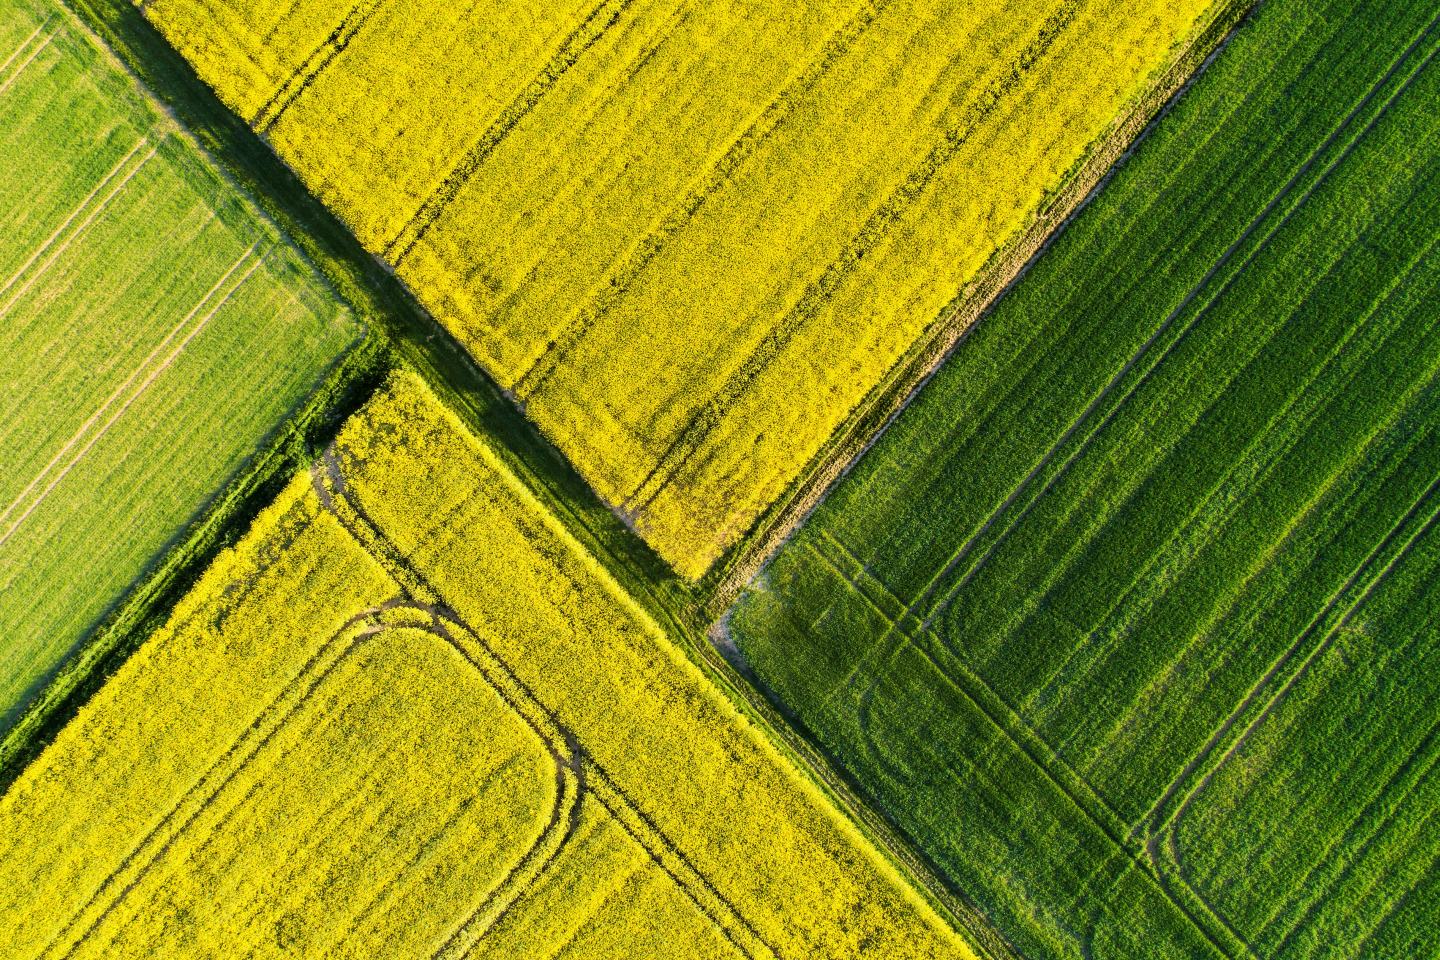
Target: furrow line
[1339,866]
[134,395]
[1360,586]
[702,424]
[128,873]
[319,60]
[1109,826]
[1260,458]
[609,292]
[574,46]
[15,75]
[1146,366]
[1160,337]
[327,473]
[115,395]
[24,45]
[79,209]
[1153,819]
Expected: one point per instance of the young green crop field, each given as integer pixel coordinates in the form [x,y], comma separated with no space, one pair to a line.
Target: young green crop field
[690,240]
[154,330]
[1128,621]
[408,716]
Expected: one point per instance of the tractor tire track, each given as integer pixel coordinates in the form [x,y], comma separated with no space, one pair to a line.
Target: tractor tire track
[25,45]
[702,424]
[1261,457]
[303,76]
[202,793]
[48,249]
[15,75]
[1141,361]
[1162,847]
[666,855]
[135,394]
[344,644]
[1384,450]
[610,292]
[595,780]
[1357,588]
[1417,768]
[572,48]
[554,837]
[1081,797]
[115,395]
[339,808]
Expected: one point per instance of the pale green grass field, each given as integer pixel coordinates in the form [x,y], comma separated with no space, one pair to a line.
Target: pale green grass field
[154,330]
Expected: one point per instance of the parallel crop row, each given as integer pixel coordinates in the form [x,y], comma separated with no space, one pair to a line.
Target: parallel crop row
[1128,620]
[134,290]
[689,239]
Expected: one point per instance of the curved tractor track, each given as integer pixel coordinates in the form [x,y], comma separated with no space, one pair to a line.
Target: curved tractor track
[579,775]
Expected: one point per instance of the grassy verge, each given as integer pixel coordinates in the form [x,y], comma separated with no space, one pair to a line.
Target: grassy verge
[384,304]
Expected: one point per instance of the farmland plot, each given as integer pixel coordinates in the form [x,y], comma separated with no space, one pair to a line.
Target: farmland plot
[154,329]
[408,716]
[1129,620]
[689,239]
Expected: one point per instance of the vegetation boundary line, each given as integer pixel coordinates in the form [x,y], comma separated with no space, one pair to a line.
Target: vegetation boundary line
[181,562]
[399,334]
[718,591]
[721,662]
[408,336]
[694,438]
[386,305]
[874,414]
[906,613]
[228,512]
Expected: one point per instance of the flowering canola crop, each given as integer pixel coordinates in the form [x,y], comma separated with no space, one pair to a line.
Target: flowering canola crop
[340,745]
[689,241]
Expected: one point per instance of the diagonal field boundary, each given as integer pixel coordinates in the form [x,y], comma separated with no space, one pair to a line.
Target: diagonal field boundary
[977,691]
[1291,189]
[698,432]
[912,630]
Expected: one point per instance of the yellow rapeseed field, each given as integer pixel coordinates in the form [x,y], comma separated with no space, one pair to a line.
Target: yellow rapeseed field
[341,746]
[689,238]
